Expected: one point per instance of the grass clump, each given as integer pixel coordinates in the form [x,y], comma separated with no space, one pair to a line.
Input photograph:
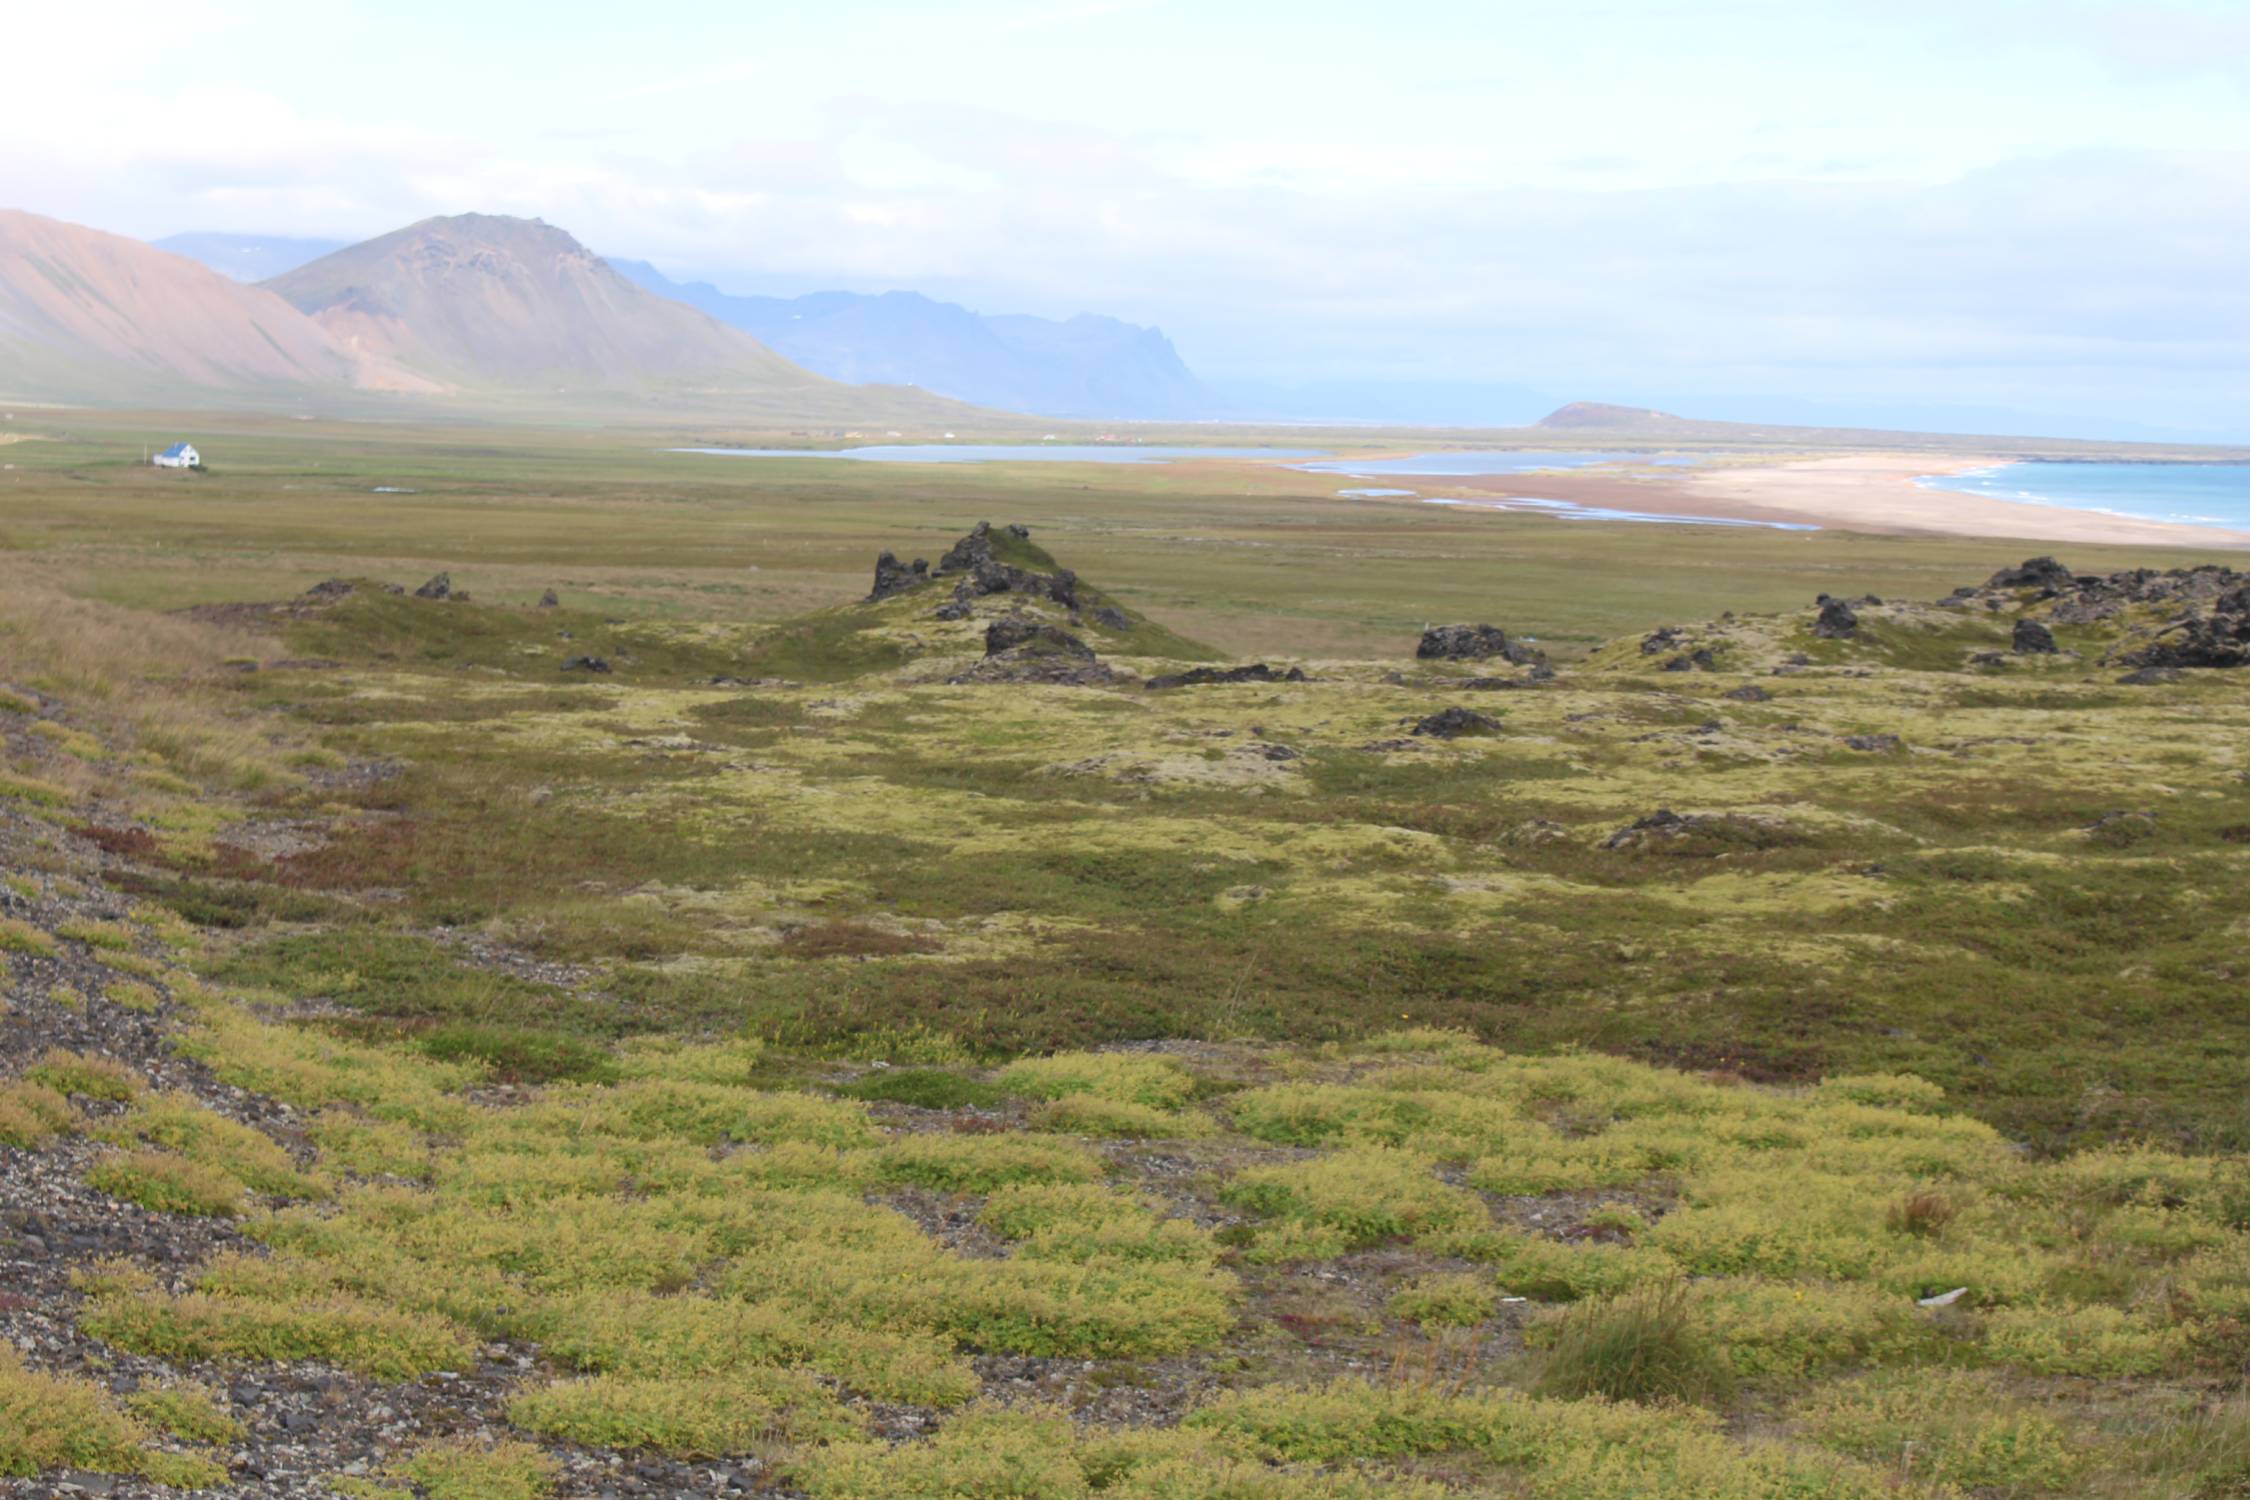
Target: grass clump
[980,1164]
[691,1417]
[1156,1082]
[1352,1198]
[1645,1345]
[1949,1428]
[1091,1114]
[469,1469]
[167,1183]
[18,936]
[1446,1300]
[56,1422]
[178,1123]
[188,1412]
[924,1088]
[126,1308]
[521,1054]
[87,1076]
[109,937]
[32,1113]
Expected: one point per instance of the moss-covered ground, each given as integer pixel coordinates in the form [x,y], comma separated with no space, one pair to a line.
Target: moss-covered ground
[950,1090]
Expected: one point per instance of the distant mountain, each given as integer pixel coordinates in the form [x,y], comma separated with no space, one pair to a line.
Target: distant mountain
[1087,366]
[486,303]
[88,316]
[248,257]
[1597,416]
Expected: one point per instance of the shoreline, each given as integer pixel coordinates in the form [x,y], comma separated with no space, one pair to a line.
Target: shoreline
[1860,491]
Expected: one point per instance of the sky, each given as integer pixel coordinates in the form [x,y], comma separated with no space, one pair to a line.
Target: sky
[2022,215]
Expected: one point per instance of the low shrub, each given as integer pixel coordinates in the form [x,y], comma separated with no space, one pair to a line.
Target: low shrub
[166,1183]
[87,1075]
[1646,1345]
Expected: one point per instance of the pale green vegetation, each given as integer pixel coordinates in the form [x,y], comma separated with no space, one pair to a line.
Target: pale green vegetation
[54,1422]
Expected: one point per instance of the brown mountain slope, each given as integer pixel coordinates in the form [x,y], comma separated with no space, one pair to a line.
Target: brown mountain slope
[490,303]
[90,316]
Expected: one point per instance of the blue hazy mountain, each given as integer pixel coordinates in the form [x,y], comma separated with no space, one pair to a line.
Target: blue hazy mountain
[249,257]
[1085,366]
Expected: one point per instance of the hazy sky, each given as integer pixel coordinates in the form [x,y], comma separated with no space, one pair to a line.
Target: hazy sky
[2001,209]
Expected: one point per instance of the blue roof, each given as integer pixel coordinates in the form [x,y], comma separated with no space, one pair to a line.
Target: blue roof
[177,450]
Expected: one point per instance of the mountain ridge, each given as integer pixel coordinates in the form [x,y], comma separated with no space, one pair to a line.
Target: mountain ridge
[1086,366]
[85,314]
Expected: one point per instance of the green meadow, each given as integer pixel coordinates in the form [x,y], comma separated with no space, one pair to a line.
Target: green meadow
[927,1088]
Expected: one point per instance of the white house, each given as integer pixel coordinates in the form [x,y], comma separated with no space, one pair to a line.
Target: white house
[178,456]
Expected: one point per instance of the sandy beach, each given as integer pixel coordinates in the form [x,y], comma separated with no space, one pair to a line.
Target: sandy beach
[1852,492]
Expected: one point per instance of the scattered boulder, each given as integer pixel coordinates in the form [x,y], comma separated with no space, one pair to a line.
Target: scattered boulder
[331,588]
[1453,723]
[1270,750]
[1838,620]
[1475,643]
[893,577]
[440,587]
[1706,834]
[550,600]
[1874,744]
[1209,676]
[2033,639]
[954,609]
[1019,649]
[2219,638]
[2042,573]
[1012,631]
[1749,692]
[2120,828]
[1020,533]
[1662,639]
[1661,824]
[1109,617]
[2152,677]
[1694,661]
[585,664]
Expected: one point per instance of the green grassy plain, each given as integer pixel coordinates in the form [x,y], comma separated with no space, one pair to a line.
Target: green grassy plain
[1358,1119]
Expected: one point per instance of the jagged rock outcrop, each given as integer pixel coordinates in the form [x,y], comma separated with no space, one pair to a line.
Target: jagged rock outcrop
[2033,639]
[1838,620]
[1475,643]
[973,556]
[1208,676]
[440,587]
[1020,649]
[2219,638]
[1011,631]
[2043,573]
[893,577]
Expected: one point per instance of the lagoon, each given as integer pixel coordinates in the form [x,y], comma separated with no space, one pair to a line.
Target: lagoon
[1009,453]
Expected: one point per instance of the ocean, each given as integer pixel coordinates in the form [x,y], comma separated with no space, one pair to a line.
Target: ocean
[2190,494]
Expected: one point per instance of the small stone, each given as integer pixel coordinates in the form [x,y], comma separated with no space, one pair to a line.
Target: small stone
[1452,723]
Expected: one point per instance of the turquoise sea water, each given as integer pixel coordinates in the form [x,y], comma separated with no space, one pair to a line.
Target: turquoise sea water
[2188,494]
